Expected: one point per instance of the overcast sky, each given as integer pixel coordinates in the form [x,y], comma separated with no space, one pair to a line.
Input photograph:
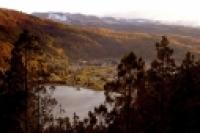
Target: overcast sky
[167,10]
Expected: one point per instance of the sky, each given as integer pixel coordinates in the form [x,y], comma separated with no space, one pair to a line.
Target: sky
[182,11]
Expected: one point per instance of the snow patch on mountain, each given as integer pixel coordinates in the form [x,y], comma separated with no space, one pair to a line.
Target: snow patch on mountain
[60,17]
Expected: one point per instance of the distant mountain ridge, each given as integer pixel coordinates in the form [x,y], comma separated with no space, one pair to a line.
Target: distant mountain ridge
[122,25]
[82,19]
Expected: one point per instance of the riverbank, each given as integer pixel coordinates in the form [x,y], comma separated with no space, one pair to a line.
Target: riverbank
[93,77]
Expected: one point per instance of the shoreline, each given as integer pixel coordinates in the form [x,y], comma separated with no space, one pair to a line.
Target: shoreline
[73,86]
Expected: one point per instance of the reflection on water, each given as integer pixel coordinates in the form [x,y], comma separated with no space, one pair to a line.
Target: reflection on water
[76,100]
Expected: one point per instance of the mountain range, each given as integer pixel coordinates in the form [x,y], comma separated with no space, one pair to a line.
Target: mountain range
[93,38]
[81,19]
[120,24]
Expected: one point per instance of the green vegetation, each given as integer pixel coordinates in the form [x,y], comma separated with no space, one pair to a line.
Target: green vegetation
[93,77]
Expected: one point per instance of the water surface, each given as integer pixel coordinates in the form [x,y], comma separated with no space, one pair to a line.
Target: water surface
[76,100]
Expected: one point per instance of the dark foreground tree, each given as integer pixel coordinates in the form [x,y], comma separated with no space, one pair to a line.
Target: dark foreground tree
[13,95]
[19,97]
[161,99]
[185,105]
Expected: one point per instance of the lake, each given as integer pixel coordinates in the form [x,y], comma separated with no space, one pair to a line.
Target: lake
[76,100]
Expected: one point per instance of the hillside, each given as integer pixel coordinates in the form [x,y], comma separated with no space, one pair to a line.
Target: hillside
[69,42]
[123,35]
[12,24]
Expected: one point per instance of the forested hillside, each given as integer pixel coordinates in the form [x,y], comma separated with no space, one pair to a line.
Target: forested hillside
[61,43]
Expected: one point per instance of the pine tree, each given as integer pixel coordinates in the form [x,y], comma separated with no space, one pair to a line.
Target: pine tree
[18,96]
[13,94]
[130,72]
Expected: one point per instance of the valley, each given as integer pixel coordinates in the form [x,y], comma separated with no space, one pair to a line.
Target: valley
[66,72]
[87,55]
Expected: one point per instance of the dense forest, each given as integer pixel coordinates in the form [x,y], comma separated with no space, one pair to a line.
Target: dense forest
[162,97]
